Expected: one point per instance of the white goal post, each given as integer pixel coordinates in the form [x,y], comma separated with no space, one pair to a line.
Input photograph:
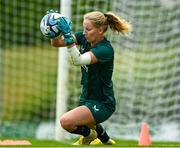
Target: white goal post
[62,79]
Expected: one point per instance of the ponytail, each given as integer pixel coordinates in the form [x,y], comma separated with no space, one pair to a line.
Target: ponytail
[117,24]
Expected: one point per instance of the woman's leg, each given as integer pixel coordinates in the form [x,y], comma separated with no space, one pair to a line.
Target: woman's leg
[80,116]
[77,121]
[102,137]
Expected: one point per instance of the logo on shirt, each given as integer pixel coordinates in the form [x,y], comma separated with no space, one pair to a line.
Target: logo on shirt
[85,68]
[95,108]
[82,49]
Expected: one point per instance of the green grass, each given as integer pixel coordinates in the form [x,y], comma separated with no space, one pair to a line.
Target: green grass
[119,143]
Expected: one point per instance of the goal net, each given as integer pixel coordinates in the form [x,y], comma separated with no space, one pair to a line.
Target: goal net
[146,75]
[28,69]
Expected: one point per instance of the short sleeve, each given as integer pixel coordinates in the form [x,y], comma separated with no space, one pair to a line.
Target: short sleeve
[79,37]
[103,53]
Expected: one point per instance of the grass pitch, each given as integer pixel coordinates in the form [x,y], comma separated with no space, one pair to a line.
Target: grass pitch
[119,143]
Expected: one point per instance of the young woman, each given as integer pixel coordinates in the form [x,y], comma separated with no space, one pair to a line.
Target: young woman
[96,57]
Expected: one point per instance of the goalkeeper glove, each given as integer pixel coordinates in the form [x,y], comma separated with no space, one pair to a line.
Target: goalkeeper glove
[65,25]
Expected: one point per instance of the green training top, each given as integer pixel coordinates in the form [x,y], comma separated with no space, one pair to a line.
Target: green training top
[97,78]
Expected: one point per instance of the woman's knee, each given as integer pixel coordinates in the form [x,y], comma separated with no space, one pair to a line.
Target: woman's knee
[66,123]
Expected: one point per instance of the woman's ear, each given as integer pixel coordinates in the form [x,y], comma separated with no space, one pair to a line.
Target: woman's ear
[101,30]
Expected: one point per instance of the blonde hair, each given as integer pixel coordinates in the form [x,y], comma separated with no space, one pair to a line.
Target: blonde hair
[104,20]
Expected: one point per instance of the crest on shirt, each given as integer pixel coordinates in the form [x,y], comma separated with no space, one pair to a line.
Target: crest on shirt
[85,68]
[82,49]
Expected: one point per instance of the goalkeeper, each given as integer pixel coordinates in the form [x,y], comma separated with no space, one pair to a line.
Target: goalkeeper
[96,58]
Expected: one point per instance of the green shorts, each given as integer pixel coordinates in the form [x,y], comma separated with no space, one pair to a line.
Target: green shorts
[99,110]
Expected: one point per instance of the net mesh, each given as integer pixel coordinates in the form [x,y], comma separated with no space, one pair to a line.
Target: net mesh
[147,70]
[28,68]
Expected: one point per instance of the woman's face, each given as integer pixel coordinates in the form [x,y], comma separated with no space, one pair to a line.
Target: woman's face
[92,34]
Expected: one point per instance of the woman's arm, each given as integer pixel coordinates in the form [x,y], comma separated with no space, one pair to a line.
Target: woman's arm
[59,41]
[78,59]
[81,59]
